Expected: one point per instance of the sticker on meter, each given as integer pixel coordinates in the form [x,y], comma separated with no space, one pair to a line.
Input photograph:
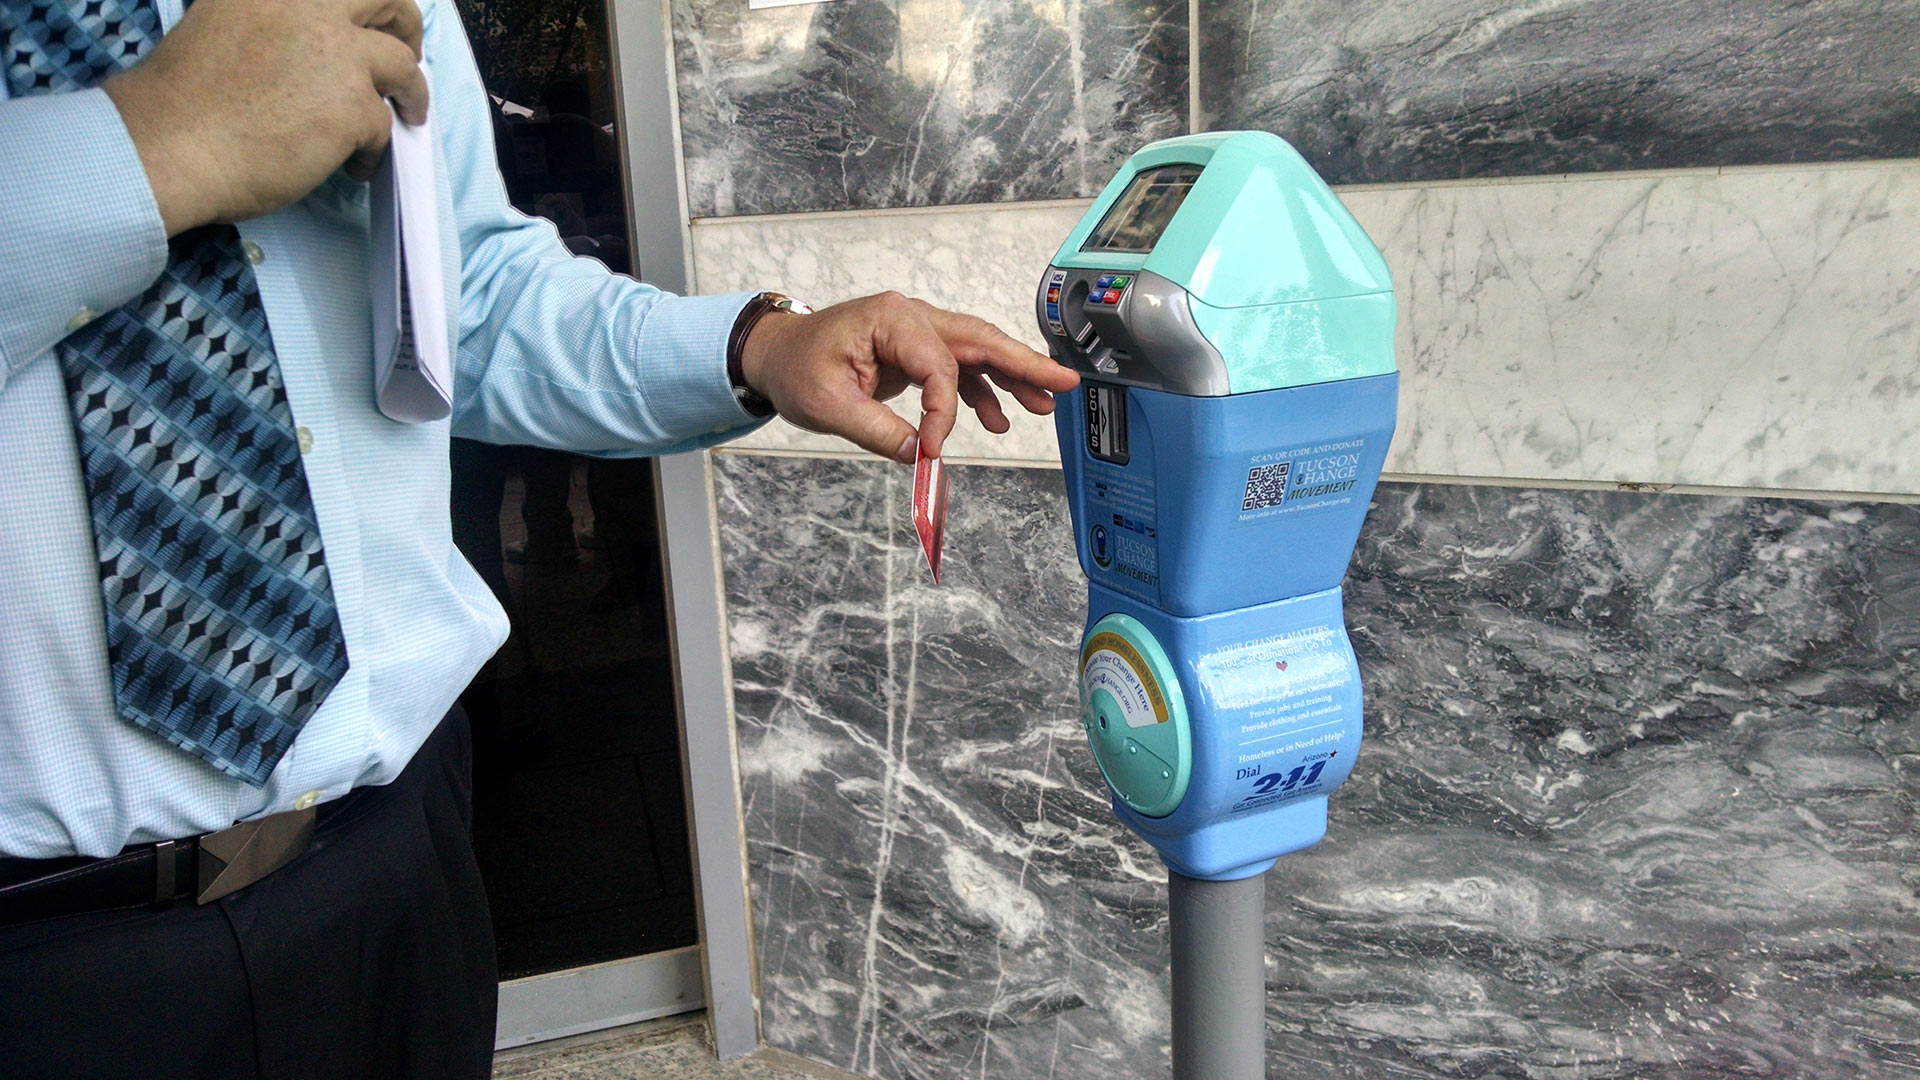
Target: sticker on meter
[1056,281]
[1114,665]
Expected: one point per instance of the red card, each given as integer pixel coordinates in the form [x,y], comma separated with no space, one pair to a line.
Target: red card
[930,508]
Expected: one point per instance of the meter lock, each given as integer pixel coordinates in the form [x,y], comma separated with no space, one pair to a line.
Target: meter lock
[1135,716]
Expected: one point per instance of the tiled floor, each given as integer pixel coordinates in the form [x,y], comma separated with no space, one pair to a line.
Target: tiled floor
[676,1049]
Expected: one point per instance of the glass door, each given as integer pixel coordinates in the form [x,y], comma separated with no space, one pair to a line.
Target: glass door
[580,823]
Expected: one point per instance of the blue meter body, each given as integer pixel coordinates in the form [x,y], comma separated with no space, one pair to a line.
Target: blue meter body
[1233,328]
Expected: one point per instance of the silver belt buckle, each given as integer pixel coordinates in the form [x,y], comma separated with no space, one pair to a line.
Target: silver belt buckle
[235,858]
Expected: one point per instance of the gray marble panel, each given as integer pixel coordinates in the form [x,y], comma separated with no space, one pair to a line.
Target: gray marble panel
[1637,797]
[878,103]
[1436,89]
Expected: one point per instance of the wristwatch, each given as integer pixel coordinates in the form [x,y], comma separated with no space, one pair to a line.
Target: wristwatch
[750,317]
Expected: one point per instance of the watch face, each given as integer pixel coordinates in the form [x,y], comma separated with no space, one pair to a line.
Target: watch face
[788,303]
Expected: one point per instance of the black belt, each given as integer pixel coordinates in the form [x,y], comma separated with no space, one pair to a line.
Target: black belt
[204,868]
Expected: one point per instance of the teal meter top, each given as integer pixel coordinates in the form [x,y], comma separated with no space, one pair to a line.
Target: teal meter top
[1233,326]
[1220,264]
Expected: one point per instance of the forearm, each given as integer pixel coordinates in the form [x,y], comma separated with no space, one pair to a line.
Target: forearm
[553,350]
[558,352]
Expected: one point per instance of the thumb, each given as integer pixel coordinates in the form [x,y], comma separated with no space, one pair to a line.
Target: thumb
[872,426]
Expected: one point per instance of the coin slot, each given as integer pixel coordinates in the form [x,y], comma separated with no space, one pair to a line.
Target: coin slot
[1106,422]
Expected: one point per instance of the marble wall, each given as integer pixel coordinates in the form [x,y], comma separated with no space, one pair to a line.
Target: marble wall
[1637,797]
[1474,88]
[887,103]
[1639,789]
[1732,327]
[869,103]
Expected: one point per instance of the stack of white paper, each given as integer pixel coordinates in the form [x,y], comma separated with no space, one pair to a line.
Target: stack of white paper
[412,358]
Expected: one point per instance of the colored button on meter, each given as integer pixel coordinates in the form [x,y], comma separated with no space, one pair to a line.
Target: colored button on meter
[1105,282]
[1120,280]
[1111,296]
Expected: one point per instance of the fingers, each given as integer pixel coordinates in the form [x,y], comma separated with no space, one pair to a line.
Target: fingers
[396,74]
[904,338]
[364,164]
[400,18]
[977,394]
[977,342]
[395,71]
[889,341]
[874,427]
[1031,398]
[376,131]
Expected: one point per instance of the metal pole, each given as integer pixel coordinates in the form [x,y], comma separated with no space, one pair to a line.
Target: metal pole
[1219,978]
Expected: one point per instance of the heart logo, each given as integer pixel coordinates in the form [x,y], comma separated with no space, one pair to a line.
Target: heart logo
[1282,665]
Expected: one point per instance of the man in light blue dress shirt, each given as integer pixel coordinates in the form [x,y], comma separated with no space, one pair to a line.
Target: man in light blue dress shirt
[261,113]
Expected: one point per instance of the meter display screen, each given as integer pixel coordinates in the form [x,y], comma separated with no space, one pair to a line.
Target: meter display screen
[1138,217]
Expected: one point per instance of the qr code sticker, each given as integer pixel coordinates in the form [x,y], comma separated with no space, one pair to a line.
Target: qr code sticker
[1266,486]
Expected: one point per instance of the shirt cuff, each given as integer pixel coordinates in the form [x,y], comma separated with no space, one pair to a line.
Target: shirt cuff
[683,374]
[80,233]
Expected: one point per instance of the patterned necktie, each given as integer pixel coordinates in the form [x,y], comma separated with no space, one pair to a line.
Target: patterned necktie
[221,628]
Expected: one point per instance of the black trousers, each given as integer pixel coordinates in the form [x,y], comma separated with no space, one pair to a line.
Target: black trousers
[370,955]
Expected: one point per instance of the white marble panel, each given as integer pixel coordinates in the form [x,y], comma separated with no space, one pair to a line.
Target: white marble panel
[1755,327]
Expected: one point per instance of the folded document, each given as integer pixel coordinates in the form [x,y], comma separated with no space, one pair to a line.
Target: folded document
[412,358]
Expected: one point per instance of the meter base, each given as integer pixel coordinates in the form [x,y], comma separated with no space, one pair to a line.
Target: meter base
[1272,696]
[1217,852]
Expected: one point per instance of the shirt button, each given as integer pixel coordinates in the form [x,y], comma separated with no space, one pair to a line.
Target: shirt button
[306,800]
[304,436]
[81,318]
[254,254]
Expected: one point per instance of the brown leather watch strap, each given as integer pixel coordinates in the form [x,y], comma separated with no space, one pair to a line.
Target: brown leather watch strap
[743,325]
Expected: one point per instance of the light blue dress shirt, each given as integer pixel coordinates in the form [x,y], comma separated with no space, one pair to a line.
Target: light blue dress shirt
[552,351]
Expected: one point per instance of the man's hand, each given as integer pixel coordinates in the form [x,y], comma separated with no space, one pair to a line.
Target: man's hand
[247,105]
[831,370]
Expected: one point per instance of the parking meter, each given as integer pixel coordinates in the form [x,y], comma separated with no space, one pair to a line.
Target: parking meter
[1233,328]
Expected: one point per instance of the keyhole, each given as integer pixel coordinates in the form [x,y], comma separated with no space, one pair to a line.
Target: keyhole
[1103,721]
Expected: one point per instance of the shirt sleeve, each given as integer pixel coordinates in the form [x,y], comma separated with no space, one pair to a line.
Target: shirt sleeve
[555,350]
[80,232]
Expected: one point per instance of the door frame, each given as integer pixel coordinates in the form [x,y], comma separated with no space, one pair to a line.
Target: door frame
[583,999]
